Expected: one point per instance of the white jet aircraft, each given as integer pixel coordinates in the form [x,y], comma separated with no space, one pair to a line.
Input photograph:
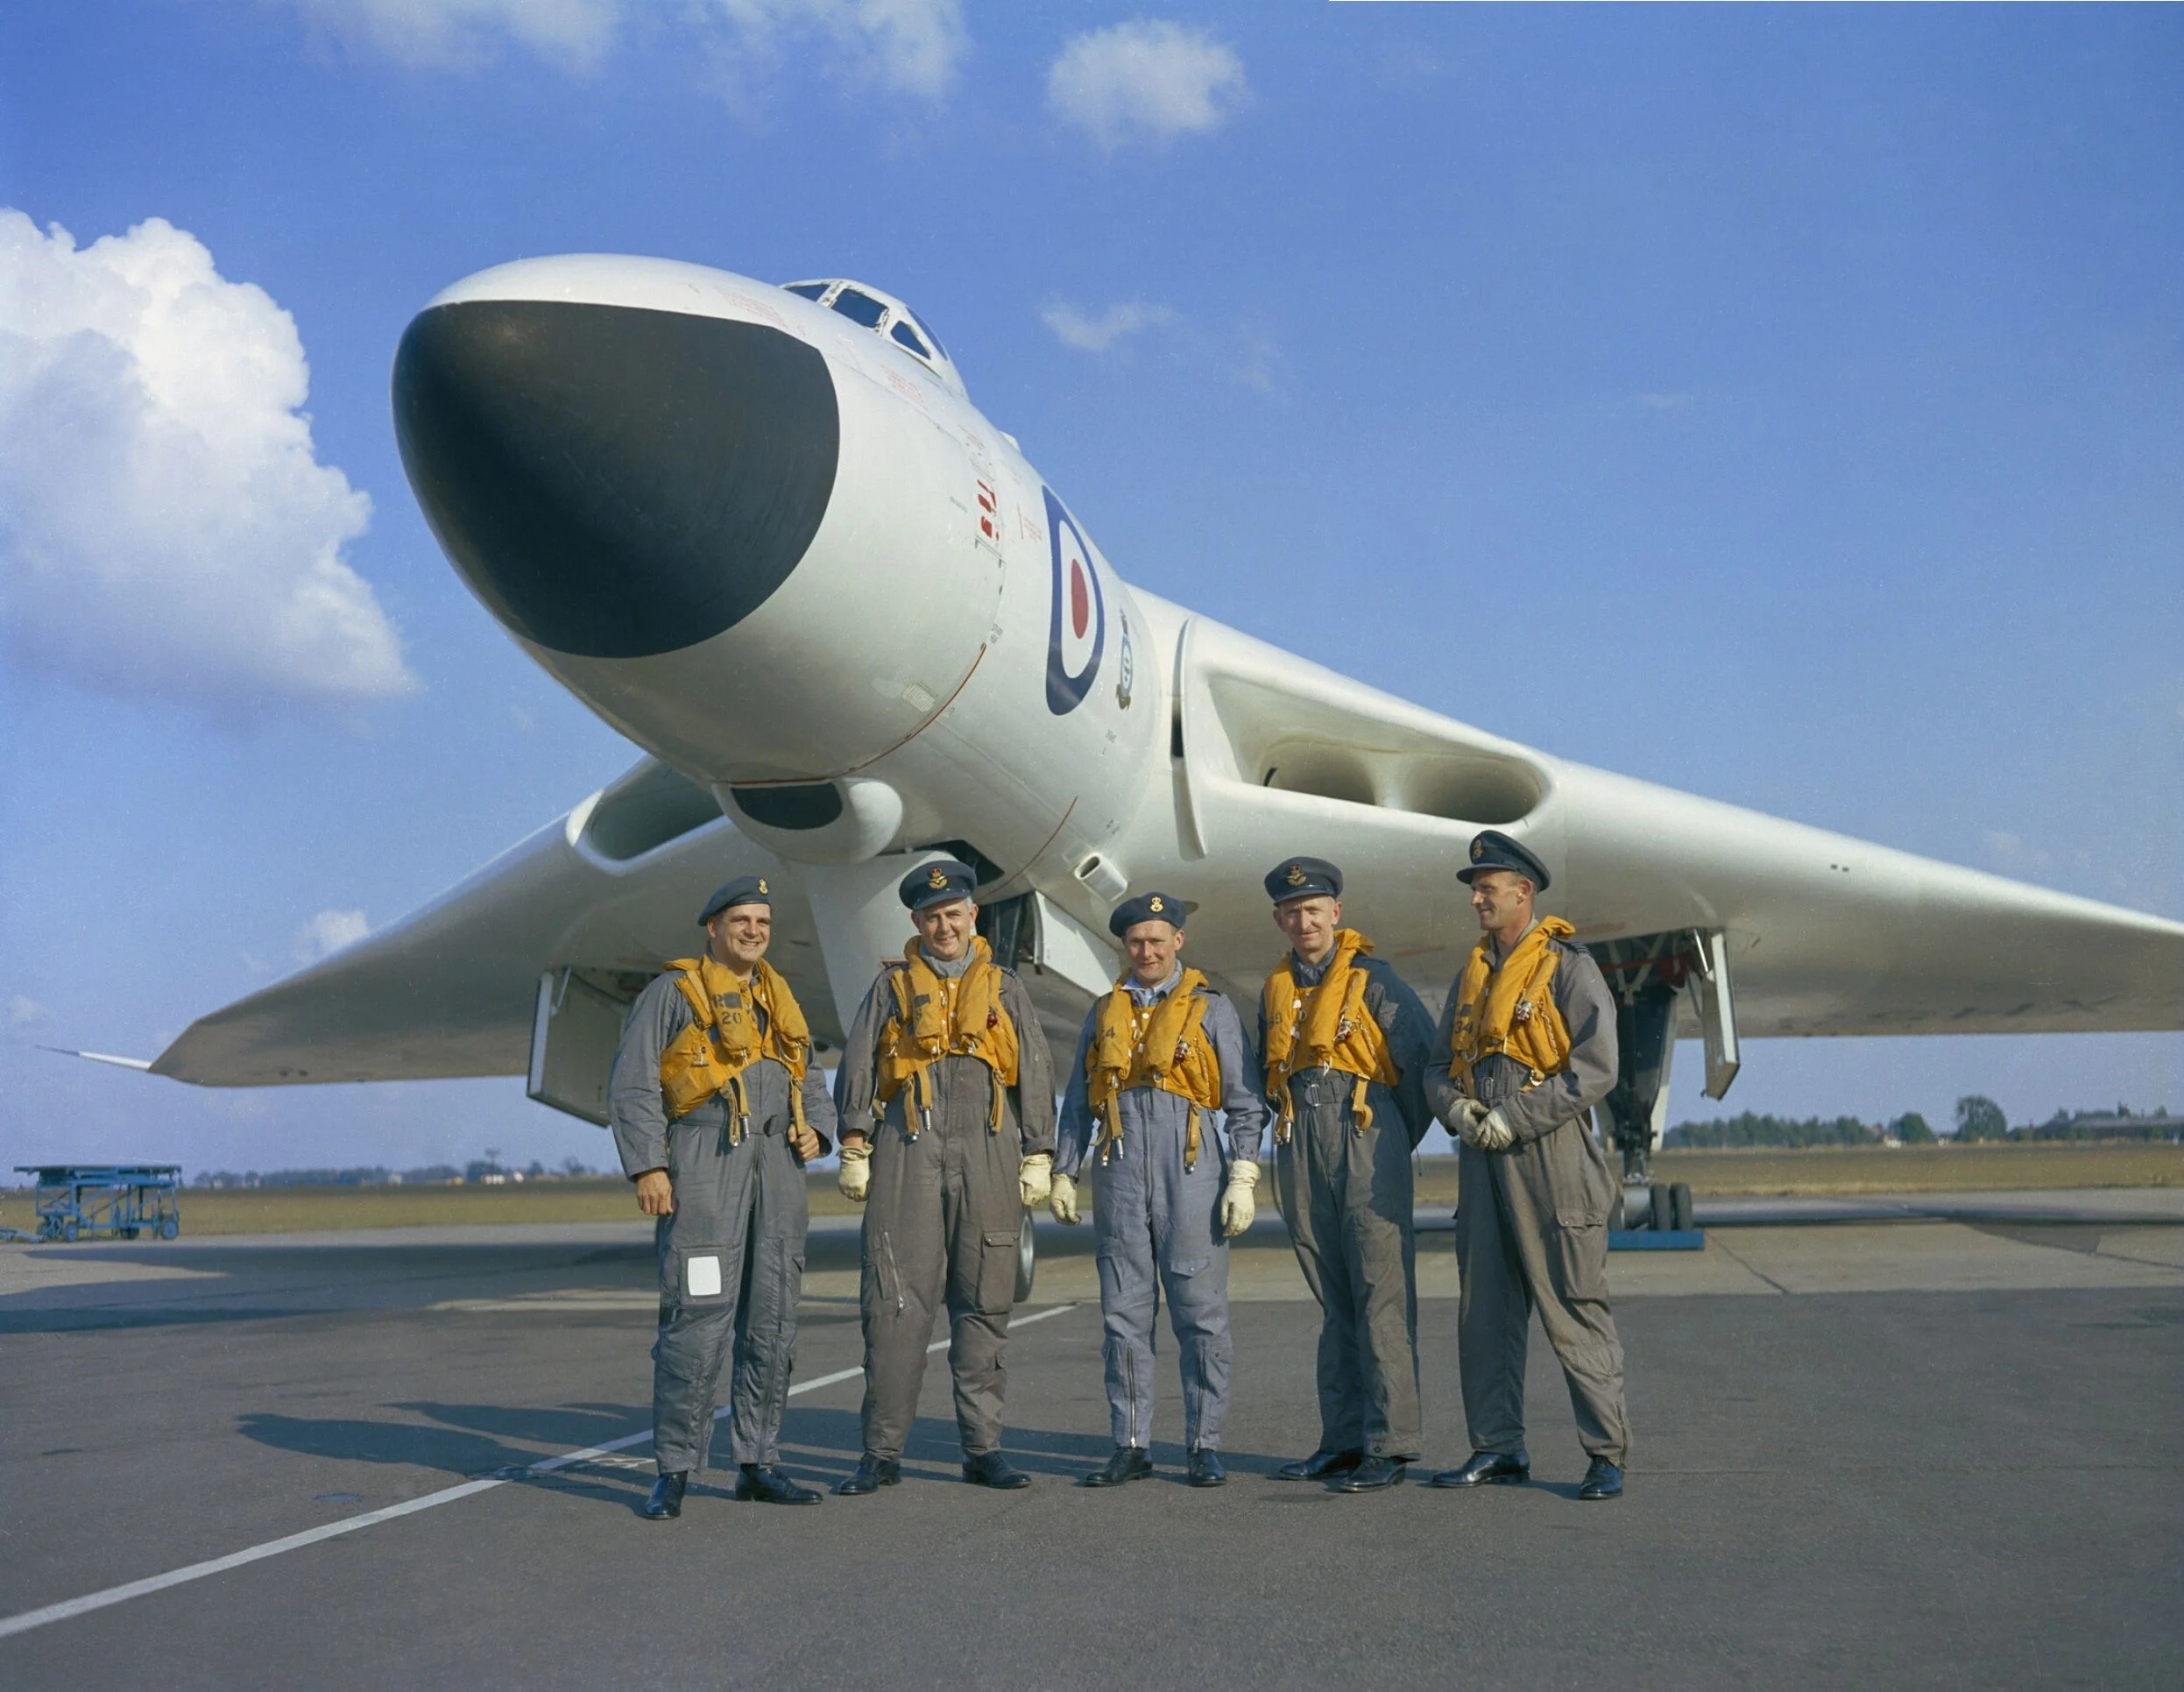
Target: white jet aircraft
[763,532]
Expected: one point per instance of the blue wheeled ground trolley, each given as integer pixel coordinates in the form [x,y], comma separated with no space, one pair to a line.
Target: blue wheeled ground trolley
[117,1200]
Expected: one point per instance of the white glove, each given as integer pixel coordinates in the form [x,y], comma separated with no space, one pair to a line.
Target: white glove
[1035,1179]
[1238,1206]
[1469,1114]
[1493,1132]
[855,1181]
[1062,1201]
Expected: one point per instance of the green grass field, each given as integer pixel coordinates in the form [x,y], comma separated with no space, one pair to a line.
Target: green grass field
[1820,1172]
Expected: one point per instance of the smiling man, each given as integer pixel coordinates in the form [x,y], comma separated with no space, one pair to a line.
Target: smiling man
[1527,1047]
[1344,1044]
[713,1103]
[1159,1056]
[948,1087]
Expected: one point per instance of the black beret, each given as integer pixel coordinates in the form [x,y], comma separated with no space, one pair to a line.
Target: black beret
[744,890]
[1303,878]
[940,882]
[1146,907]
[1494,850]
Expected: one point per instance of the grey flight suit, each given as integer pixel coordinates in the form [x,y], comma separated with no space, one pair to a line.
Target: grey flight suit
[1531,1226]
[1346,1198]
[942,1218]
[1148,1210]
[738,1227]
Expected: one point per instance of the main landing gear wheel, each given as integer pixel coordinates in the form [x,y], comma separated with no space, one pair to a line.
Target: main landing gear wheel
[1027,1261]
[1664,1210]
[1679,1207]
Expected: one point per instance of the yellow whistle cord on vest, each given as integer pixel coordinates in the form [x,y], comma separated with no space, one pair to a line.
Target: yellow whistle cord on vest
[1325,1027]
[1511,1011]
[1162,1045]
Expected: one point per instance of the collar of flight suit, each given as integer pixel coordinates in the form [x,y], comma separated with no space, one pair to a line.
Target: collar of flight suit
[1143,996]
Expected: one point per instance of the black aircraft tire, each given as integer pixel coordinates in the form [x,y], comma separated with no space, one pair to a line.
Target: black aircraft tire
[1679,1205]
[1664,1208]
[1027,1261]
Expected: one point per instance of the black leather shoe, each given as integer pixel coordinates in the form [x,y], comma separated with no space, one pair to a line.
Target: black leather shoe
[1373,1474]
[1130,1462]
[990,1468]
[1485,1468]
[1205,1468]
[1321,1466]
[763,1483]
[666,1503]
[871,1474]
[1603,1480]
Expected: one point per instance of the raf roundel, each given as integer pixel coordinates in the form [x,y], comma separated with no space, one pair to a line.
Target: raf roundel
[1076,628]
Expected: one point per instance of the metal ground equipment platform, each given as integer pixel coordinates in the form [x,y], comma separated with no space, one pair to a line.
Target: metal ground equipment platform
[118,1201]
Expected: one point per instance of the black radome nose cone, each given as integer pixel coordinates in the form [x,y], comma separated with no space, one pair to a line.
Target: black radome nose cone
[612,482]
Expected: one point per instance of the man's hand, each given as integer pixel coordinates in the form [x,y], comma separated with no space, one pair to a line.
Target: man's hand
[1035,1179]
[1469,1114]
[1239,1209]
[804,1140]
[854,1183]
[655,1194]
[1062,1201]
[1493,1132]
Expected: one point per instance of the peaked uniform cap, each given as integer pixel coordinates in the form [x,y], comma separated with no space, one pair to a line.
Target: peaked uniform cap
[943,882]
[1494,850]
[1303,878]
[744,890]
[1146,907]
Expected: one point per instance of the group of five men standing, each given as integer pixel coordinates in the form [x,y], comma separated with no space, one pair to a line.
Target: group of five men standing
[944,1106]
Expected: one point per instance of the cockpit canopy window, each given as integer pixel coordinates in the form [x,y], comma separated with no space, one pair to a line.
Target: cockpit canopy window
[886,317]
[860,307]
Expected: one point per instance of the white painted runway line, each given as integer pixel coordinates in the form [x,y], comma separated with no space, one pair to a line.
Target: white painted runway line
[198,1571]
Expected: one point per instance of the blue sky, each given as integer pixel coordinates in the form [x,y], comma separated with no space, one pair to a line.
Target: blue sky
[1809,380]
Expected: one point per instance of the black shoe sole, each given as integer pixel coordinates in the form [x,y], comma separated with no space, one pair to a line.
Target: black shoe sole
[742,1497]
[847,1491]
[1394,1480]
[1598,1498]
[1520,1478]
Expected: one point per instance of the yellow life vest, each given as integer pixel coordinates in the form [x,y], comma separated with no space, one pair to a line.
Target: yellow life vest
[1325,1027]
[1511,1012]
[937,1017]
[1162,1046]
[725,1039]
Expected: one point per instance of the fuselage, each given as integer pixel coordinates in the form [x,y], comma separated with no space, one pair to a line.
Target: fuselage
[785,554]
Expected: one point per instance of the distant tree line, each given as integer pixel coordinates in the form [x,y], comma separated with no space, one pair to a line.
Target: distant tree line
[378,1175]
[1977,1118]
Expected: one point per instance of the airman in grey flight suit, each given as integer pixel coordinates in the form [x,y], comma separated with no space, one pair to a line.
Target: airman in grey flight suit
[726,1181]
[1168,1198]
[946,1154]
[1351,1109]
[1532,1223]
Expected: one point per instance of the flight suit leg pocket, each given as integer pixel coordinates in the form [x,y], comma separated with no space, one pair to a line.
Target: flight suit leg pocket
[997,1271]
[1581,1253]
[698,1275]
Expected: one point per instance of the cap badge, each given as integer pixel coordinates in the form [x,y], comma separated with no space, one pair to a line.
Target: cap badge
[1478,850]
[1296,874]
[762,886]
[936,878]
[1154,903]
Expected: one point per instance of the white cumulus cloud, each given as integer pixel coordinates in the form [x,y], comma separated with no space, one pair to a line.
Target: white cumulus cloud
[22,1010]
[912,47]
[166,527]
[1147,80]
[328,932]
[460,32]
[1087,334]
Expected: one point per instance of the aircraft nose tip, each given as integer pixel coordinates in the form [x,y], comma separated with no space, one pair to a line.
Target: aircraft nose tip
[615,481]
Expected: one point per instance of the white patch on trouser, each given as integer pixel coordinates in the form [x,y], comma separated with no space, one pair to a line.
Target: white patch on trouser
[701,1278]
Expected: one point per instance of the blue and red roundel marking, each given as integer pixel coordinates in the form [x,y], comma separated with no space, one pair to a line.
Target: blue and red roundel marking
[1076,632]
